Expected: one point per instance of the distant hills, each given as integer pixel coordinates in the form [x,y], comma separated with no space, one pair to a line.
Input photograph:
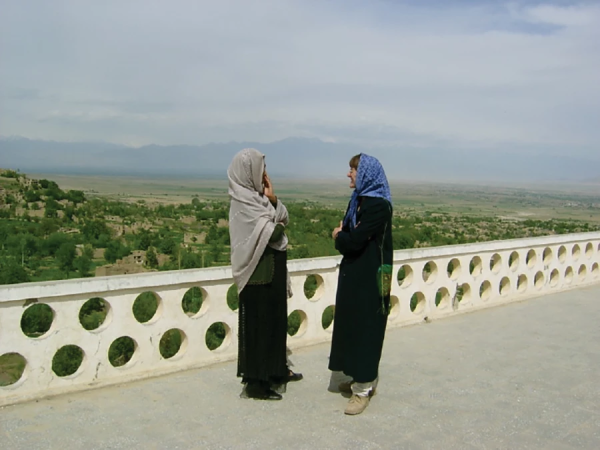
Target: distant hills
[299,158]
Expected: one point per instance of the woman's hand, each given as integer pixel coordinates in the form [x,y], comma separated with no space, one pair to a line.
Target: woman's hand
[336,231]
[269,191]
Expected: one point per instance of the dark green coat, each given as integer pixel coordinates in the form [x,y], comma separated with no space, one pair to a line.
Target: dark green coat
[360,310]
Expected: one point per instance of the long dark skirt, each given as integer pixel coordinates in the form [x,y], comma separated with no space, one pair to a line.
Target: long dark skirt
[359,322]
[262,329]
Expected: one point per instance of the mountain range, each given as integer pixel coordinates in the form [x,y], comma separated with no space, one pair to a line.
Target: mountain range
[298,158]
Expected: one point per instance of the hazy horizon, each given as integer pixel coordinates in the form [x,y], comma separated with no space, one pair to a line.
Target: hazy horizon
[293,158]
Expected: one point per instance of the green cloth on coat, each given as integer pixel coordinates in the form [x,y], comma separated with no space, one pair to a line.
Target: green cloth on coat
[263,274]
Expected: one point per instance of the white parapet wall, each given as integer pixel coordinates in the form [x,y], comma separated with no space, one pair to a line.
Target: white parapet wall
[429,283]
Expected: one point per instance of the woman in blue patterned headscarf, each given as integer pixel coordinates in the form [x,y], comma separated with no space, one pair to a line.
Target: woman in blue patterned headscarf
[364,238]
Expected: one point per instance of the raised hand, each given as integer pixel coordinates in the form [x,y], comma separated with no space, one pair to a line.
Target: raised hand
[269,191]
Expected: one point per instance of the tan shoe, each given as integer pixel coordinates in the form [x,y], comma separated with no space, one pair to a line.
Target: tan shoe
[357,404]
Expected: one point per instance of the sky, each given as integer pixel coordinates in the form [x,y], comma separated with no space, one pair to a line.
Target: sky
[483,75]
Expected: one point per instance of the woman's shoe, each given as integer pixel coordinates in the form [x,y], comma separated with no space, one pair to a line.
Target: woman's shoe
[294,376]
[357,404]
[269,394]
[258,392]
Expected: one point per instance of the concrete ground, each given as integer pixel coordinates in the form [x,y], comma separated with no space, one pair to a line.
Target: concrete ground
[521,376]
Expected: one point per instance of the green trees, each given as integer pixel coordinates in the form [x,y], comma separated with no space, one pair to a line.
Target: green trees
[167,245]
[189,259]
[48,226]
[151,258]
[65,256]
[75,196]
[83,263]
[192,301]
[93,313]
[216,251]
[21,246]
[144,239]
[115,250]
[29,244]
[32,196]
[50,246]
[402,240]
[96,232]
[52,207]
[212,235]
[12,272]
[10,174]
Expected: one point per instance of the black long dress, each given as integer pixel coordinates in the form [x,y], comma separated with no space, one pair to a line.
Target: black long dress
[262,333]
[360,310]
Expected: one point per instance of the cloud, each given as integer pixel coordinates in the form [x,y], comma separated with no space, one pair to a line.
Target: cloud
[572,16]
[479,75]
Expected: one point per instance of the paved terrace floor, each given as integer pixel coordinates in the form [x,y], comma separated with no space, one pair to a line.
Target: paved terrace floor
[521,376]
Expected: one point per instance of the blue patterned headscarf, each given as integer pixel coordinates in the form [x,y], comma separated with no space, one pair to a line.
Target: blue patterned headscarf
[370,182]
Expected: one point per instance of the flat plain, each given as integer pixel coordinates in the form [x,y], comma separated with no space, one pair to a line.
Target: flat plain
[508,201]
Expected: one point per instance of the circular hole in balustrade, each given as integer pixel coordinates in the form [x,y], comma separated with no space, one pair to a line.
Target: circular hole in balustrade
[531,258]
[216,335]
[429,272]
[313,287]
[442,298]
[233,299]
[595,270]
[417,303]
[296,323]
[576,252]
[192,301]
[504,287]
[463,293]
[394,307]
[485,290]
[12,366]
[495,263]
[513,261]
[405,276]
[554,277]
[327,316]
[538,281]
[93,313]
[172,342]
[589,250]
[569,275]
[562,253]
[547,256]
[37,320]
[475,266]
[453,269]
[121,351]
[145,306]
[582,272]
[522,283]
[67,360]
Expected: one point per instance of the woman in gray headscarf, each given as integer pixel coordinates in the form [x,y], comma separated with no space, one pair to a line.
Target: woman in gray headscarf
[257,221]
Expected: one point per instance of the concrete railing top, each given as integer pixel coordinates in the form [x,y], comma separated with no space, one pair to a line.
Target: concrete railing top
[429,283]
[62,288]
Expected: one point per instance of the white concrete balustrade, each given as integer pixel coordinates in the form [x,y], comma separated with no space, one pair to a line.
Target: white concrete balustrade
[440,281]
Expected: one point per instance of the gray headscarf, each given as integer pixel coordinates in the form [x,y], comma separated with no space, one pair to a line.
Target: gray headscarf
[252,217]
